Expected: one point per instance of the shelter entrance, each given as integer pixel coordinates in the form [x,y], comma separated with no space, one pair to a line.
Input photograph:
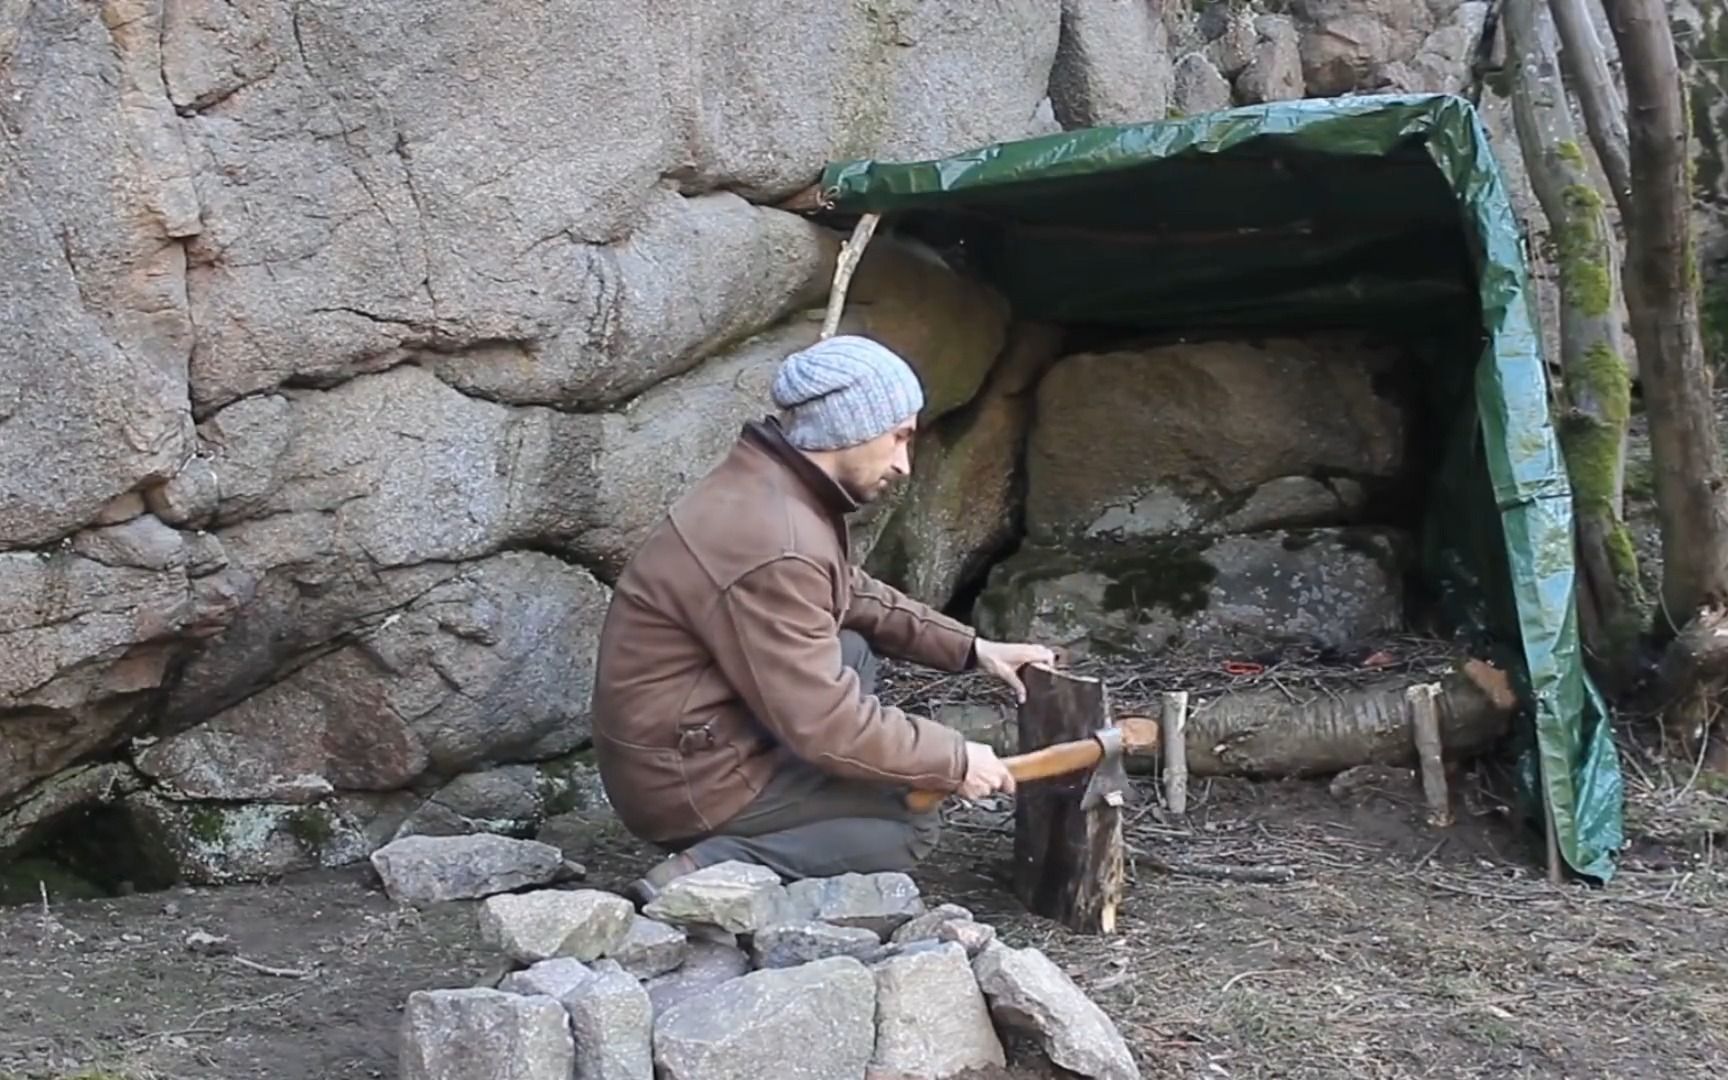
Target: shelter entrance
[1271,383]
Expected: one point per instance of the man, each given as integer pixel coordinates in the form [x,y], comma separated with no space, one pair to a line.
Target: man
[734,712]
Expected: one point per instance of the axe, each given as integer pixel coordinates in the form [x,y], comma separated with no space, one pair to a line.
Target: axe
[1102,753]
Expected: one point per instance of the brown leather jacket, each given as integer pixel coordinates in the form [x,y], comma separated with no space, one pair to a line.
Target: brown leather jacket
[720,652]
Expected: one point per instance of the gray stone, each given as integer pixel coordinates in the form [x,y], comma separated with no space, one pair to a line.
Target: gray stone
[931,1019]
[37,810]
[486,662]
[93,392]
[480,1034]
[529,927]
[504,800]
[927,926]
[813,1022]
[1196,87]
[1026,991]
[1111,64]
[1232,49]
[1293,501]
[613,1022]
[651,948]
[1274,72]
[992,723]
[120,508]
[218,843]
[707,964]
[791,944]
[1332,587]
[695,275]
[1214,421]
[1346,43]
[1444,61]
[881,903]
[189,497]
[427,869]
[549,978]
[974,937]
[737,897]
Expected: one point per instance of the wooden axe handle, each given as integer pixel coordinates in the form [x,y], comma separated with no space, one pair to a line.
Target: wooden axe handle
[1058,760]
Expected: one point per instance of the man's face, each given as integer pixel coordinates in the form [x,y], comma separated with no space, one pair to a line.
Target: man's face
[867,470]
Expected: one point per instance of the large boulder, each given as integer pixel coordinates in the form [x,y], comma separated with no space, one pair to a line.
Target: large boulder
[481,1034]
[950,327]
[938,529]
[1177,438]
[1332,587]
[1352,46]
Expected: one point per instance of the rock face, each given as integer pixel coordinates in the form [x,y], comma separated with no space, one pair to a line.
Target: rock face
[353,346]
[1331,587]
[1212,423]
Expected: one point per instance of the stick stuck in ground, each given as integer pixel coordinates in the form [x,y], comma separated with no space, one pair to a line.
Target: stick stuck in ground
[1174,718]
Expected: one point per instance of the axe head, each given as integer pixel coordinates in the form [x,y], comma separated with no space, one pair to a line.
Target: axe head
[1109,782]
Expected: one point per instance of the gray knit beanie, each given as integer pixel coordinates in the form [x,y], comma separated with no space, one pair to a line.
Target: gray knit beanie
[843,391]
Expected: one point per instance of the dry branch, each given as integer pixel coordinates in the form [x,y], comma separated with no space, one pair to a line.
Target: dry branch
[1274,732]
[1599,99]
[851,253]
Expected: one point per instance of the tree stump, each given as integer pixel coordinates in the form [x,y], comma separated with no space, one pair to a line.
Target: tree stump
[1068,862]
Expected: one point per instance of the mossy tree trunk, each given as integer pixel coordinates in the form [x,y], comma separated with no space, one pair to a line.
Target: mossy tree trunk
[1597,387]
[1585,63]
[1684,447]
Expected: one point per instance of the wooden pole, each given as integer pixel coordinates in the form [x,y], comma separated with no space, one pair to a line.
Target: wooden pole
[1173,718]
[1424,703]
[1068,863]
[851,253]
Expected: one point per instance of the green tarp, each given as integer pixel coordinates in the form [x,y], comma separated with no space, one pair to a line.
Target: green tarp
[1386,211]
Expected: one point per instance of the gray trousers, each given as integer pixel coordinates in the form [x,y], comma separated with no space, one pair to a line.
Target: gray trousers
[808,823]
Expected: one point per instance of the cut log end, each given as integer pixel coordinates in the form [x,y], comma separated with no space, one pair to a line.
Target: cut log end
[1069,863]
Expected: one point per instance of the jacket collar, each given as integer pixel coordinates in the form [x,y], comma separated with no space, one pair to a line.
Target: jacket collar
[767,434]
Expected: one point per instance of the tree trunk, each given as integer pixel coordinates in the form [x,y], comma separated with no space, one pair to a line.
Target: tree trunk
[1597,387]
[1280,733]
[1586,65]
[1677,384]
[1662,269]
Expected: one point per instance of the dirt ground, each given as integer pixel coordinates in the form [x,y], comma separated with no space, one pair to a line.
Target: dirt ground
[1395,950]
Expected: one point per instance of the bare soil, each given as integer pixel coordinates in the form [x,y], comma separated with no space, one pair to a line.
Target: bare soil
[1395,950]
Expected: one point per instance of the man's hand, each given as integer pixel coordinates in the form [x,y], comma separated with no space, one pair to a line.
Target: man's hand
[1004,660]
[985,773]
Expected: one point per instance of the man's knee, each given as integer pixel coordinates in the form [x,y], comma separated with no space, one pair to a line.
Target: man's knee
[855,653]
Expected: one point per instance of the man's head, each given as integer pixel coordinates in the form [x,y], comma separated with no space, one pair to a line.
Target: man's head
[852,406]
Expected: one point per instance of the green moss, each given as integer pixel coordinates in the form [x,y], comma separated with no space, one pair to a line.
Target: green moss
[206,825]
[311,827]
[1582,251]
[1592,446]
[1571,153]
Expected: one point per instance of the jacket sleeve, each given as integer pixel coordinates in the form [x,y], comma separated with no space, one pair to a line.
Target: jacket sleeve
[905,629]
[775,639]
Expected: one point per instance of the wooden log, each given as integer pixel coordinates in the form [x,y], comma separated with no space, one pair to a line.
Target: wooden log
[1424,702]
[1173,715]
[1068,863]
[851,253]
[1286,732]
